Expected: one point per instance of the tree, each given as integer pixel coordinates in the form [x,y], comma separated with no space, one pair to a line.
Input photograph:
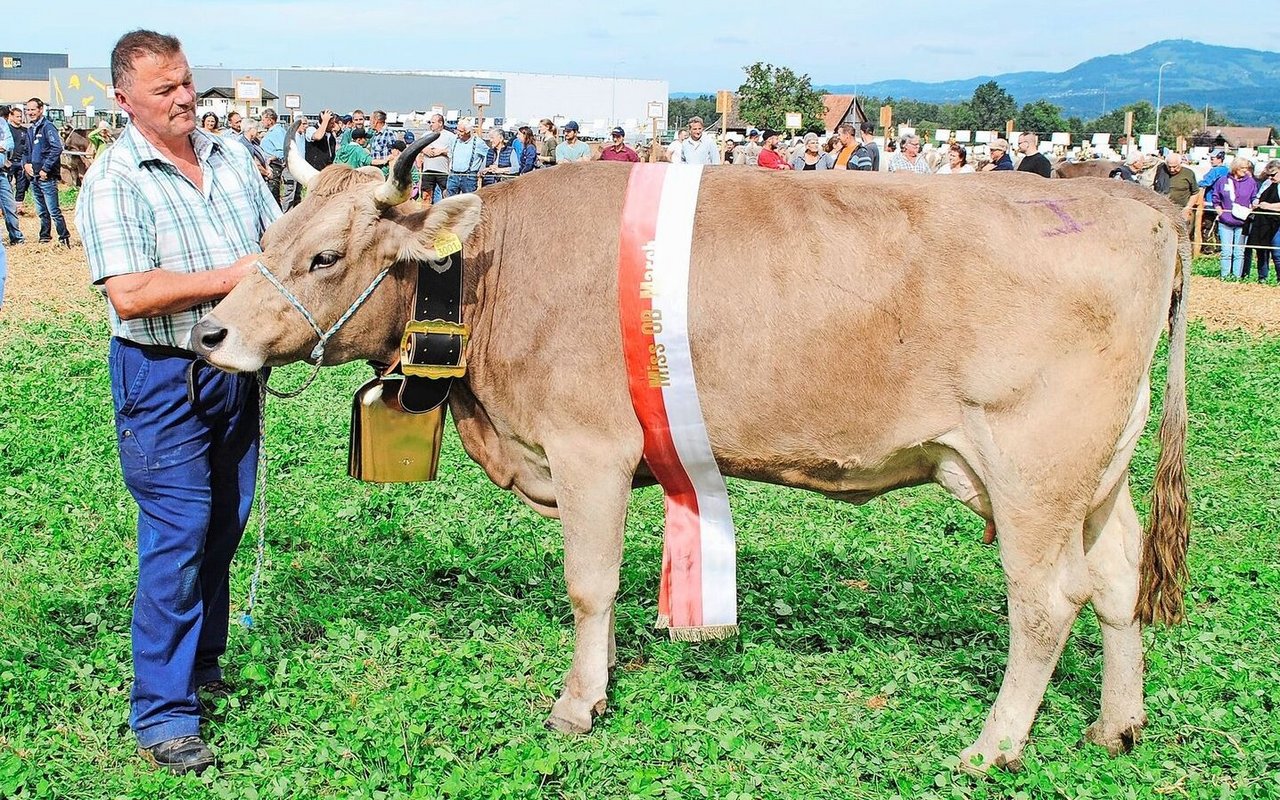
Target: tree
[680,109]
[770,92]
[992,106]
[1178,122]
[1144,120]
[1041,117]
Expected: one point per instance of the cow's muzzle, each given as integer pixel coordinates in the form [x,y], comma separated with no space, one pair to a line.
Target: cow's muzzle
[207,336]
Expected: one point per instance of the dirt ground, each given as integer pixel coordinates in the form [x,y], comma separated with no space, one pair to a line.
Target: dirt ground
[47,281]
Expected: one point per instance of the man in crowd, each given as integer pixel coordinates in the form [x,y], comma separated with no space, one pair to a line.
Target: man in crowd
[1000,159]
[435,161]
[164,250]
[19,155]
[354,153]
[322,141]
[673,149]
[867,135]
[617,150]
[42,164]
[1032,159]
[272,143]
[380,141]
[771,156]
[748,153]
[7,206]
[234,124]
[698,149]
[1217,169]
[466,157]
[572,148]
[849,143]
[1181,184]
[350,122]
[908,158]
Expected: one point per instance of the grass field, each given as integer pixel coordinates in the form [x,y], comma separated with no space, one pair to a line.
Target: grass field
[410,640]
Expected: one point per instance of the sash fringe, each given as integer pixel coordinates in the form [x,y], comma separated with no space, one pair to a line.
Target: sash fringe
[707,633]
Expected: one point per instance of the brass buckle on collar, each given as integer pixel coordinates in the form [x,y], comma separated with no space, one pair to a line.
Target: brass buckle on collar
[437,327]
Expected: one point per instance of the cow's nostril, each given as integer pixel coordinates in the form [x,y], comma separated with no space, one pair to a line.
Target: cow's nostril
[206,336]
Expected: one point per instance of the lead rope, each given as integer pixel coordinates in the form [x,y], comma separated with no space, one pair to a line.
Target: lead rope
[317,353]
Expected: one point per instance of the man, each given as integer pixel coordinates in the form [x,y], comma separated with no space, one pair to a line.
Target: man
[20,182]
[1032,159]
[572,148]
[1130,170]
[250,137]
[1181,183]
[849,143]
[1217,169]
[354,153]
[698,149]
[673,149]
[435,161]
[748,153]
[770,156]
[7,205]
[867,133]
[321,143]
[1000,159]
[908,158]
[466,157]
[42,163]
[350,122]
[234,124]
[164,248]
[380,141]
[272,143]
[618,150]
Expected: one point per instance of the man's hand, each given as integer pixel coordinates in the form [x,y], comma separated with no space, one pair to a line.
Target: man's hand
[27,168]
[43,176]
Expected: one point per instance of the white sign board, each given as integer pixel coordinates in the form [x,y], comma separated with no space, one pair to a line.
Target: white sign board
[480,95]
[1101,140]
[793,119]
[249,89]
[293,101]
[982,137]
[941,135]
[962,136]
[655,110]
[1061,138]
[437,110]
[452,115]
[1147,143]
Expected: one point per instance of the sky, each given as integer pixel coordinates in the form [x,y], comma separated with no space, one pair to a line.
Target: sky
[695,46]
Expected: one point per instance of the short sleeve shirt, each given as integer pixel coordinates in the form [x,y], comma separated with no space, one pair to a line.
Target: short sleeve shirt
[578,151]
[137,212]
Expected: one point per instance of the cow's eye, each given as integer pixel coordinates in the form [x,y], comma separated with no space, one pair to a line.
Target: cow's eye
[326,259]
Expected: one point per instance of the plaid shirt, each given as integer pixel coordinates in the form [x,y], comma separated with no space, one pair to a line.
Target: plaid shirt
[380,144]
[137,212]
[899,163]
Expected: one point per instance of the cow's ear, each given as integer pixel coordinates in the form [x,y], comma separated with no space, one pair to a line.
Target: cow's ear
[456,215]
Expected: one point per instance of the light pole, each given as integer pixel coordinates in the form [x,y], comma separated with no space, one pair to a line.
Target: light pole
[1159,87]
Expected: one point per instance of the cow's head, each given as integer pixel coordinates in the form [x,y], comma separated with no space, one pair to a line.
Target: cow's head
[326,253]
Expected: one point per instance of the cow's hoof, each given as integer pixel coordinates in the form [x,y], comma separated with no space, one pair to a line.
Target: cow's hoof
[1118,739]
[570,715]
[974,761]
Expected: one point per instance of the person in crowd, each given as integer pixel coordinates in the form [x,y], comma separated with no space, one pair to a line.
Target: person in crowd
[1233,195]
[847,134]
[380,142]
[100,137]
[1261,227]
[908,158]
[7,205]
[272,144]
[547,143]
[435,161]
[251,137]
[572,148]
[1130,170]
[234,124]
[617,149]
[832,146]
[17,124]
[1217,169]
[1032,159]
[771,156]
[355,153]
[466,157]
[1000,159]
[957,161]
[165,249]
[673,149]
[500,161]
[397,150]
[349,124]
[1181,183]
[209,122]
[750,154]
[812,158]
[528,150]
[698,148]
[43,164]
[867,134]
[321,143]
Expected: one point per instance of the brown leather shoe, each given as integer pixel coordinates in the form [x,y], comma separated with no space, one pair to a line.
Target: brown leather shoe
[179,756]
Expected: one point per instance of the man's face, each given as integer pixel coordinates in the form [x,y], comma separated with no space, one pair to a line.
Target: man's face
[571,134]
[437,124]
[234,122]
[1024,145]
[34,112]
[464,133]
[357,120]
[161,97]
[1174,164]
[695,131]
[617,140]
[911,146]
[15,116]
[846,138]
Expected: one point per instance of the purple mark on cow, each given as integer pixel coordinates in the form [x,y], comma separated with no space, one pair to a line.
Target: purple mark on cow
[1069,224]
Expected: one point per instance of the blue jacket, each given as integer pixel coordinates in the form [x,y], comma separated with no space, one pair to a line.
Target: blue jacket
[44,148]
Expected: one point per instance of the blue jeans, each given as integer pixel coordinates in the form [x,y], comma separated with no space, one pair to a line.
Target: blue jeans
[191,470]
[1232,240]
[1272,255]
[459,184]
[9,208]
[46,192]
[4,272]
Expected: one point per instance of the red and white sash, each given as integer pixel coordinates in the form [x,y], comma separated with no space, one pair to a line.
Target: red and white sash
[698,597]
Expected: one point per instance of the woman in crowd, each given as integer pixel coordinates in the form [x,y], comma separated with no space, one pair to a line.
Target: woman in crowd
[209,122]
[500,161]
[957,161]
[1264,223]
[528,150]
[811,157]
[547,143]
[1233,197]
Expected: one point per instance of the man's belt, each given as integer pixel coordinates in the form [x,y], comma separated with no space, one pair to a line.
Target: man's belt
[464,174]
[431,350]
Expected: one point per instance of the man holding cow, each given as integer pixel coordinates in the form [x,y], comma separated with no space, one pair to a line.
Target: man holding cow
[171,219]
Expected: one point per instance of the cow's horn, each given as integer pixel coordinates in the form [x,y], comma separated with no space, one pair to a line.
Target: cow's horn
[301,171]
[399,184]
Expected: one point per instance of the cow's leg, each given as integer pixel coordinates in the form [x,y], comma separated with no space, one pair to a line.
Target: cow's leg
[591,493]
[1114,538]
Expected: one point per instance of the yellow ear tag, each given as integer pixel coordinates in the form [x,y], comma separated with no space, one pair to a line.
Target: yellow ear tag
[447,243]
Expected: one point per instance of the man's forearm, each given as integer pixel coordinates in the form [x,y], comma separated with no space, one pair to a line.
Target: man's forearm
[159,292]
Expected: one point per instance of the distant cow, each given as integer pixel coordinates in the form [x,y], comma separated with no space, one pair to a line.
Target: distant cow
[849,337]
[77,153]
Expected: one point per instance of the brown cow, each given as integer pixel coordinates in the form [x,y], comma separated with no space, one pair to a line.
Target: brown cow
[850,336]
[77,154]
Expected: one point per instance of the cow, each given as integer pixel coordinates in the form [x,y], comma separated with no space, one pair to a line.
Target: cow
[76,155]
[850,333]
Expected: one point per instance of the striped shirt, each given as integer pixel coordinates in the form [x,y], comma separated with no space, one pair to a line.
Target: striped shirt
[137,212]
[380,144]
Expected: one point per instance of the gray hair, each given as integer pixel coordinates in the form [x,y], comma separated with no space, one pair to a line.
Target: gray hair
[1240,162]
[910,137]
[1272,167]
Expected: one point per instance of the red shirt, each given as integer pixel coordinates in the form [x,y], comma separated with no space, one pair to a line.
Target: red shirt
[772,159]
[624,153]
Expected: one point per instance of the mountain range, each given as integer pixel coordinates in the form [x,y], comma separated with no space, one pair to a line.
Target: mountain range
[1242,83]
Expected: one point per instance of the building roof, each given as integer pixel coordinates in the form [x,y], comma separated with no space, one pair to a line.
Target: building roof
[1235,136]
[228,93]
[842,108]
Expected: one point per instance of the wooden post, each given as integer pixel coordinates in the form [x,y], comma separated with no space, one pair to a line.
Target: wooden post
[480,122]
[654,144]
[1196,224]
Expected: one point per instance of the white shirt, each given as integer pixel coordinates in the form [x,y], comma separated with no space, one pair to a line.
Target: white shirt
[439,163]
[701,151]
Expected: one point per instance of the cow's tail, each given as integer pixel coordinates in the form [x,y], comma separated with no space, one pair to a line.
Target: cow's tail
[1163,570]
